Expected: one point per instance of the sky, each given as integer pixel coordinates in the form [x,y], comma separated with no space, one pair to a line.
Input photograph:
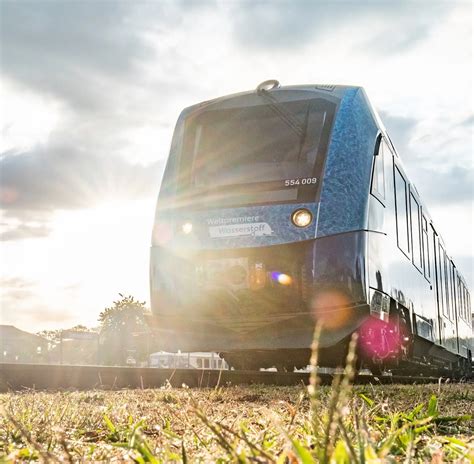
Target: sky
[90,92]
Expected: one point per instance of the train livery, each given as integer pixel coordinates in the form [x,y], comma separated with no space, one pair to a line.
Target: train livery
[285,207]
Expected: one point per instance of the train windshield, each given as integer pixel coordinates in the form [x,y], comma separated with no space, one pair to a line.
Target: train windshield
[271,152]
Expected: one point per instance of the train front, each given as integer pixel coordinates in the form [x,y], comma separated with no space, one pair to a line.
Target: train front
[236,266]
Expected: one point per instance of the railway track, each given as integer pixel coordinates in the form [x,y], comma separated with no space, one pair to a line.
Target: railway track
[57,377]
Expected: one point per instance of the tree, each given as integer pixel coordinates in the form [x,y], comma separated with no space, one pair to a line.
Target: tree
[54,336]
[71,351]
[123,331]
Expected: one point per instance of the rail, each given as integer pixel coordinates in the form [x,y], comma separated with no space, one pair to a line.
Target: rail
[58,377]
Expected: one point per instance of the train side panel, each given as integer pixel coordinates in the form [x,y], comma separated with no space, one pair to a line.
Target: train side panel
[407,260]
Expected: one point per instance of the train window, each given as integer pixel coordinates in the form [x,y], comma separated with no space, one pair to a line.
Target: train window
[464,298]
[426,248]
[459,309]
[415,232]
[441,280]
[467,304]
[450,288]
[401,212]
[459,299]
[446,283]
[448,293]
[378,176]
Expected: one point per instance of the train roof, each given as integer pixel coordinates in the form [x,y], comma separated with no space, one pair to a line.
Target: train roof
[333,90]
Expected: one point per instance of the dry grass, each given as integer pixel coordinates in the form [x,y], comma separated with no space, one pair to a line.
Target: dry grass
[337,424]
[251,424]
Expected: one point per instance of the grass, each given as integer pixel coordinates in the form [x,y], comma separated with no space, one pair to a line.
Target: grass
[243,424]
[338,424]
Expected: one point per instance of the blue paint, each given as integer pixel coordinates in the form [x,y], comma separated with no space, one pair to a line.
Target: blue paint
[346,180]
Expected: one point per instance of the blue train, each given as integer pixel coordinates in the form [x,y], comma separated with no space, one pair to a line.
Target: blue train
[286,206]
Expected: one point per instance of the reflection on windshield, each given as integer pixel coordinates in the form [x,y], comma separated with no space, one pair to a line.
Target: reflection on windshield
[255,148]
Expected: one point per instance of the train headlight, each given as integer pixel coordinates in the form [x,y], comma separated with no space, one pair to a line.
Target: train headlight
[302,217]
[187,227]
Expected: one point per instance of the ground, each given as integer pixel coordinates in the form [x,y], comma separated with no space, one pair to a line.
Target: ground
[426,423]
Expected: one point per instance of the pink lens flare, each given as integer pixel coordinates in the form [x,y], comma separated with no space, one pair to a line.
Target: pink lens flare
[381,340]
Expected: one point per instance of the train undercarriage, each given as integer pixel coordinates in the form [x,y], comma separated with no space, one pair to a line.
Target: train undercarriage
[382,347]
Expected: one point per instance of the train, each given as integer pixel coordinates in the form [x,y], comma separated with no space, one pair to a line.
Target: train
[287,207]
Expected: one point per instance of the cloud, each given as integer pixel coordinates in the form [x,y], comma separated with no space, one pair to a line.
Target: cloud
[467,122]
[15,282]
[391,41]
[93,56]
[23,231]
[401,130]
[386,26]
[51,46]
[23,305]
[32,315]
[465,265]
[45,179]
[14,290]
[450,186]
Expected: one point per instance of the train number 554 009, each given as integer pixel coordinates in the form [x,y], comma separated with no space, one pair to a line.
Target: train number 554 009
[301,181]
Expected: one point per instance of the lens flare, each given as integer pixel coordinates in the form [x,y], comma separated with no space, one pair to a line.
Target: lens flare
[331,308]
[381,340]
[282,279]
[162,234]
[8,195]
[187,227]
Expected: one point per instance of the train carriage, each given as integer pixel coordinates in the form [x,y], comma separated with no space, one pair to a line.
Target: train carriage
[287,206]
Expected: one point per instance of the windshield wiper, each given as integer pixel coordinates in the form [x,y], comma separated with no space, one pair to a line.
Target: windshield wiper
[286,116]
